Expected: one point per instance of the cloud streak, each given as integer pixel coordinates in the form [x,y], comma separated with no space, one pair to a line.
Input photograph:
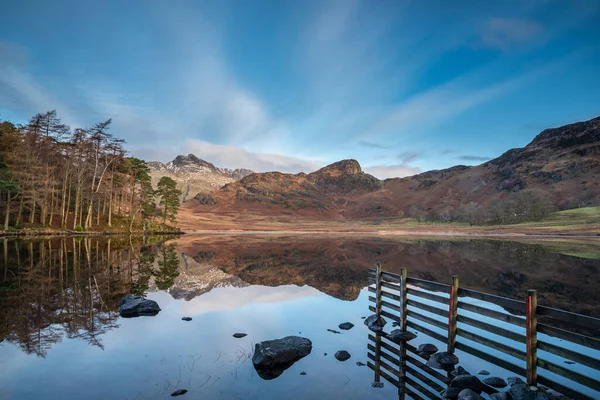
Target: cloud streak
[474,158]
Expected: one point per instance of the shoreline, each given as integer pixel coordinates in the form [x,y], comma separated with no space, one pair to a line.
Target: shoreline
[69,233]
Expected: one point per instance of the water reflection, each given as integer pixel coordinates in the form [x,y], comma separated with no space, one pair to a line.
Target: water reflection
[52,291]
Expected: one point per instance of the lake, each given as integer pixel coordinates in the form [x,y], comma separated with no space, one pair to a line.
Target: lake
[61,335]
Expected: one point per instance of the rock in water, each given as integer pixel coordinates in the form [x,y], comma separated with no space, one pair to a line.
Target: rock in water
[450,393]
[427,348]
[377,385]
[302,373]
[375,323]
[342,355]
[443,360]
[360,364]
[179,392]
[515,380]
[521,391]
[136,306]
[239,335]
[187,319]
[346,326]
[398,336]
[468,394]
[494,381]
[272,357]
[459,371]
[500,396]
[333,331]
[468,382]
[483,372]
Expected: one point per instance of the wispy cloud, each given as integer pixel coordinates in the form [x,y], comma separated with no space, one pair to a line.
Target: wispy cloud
[507,33]
[371,145]
[474,158]
[407,157]
[392,171]
[235,157]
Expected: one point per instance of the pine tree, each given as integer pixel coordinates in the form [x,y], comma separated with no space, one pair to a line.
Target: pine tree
[169,198]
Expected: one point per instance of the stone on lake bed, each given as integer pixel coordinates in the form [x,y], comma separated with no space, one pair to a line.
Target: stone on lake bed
[342,355]
[459,371]
[239,335]
[302,373]
[514,380]
[500,396]
[427,348]
[137,306]
[272,357]
[346,326]
[468,382]
[333,331]
[186,319]
[494,381]
[377,385]
[468,394]
[375,323]
[483,372]
[179,392]
[443,360]
[360,364]
[398,336]
[450,393]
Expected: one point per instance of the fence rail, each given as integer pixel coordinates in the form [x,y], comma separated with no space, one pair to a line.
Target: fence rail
[453,315]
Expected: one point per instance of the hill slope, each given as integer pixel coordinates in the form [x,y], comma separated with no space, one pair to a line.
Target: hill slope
[194,175]
[561,166]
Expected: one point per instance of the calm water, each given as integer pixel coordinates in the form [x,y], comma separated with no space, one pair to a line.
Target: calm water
[61,336]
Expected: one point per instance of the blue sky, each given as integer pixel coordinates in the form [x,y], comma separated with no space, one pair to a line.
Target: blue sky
[402,86]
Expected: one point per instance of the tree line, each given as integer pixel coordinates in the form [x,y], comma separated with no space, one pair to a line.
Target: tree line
[522,206]
[77,179]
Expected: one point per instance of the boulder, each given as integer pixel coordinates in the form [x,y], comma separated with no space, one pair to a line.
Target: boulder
[239,335]
[272,357]
[515,380]
[468,394]
[427,348]
[522,391]
[179,392]
[459,371]
[468,382]
[398,336]
[342,355]
[500,396]
[346,326]
[136,306]
[443,360]
[426,356]
[450,393]
[494,381]
[375,323]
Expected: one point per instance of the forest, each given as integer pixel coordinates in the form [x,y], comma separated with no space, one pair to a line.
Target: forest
[81,179]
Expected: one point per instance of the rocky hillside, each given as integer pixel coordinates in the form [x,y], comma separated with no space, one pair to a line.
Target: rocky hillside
[195,175]
[561,166]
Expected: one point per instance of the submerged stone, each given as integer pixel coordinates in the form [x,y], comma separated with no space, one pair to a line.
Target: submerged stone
[239,335]
[468,394]
[346,326]
[179,392]
[427,348]
[398,336]
[443,360]
[186,319]
[137,306]
[342,355]
[468,382]
[375,323]
[272,357]
[494,381]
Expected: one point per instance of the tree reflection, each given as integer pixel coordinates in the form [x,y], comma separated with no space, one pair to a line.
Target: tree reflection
[51,289]
[168,268]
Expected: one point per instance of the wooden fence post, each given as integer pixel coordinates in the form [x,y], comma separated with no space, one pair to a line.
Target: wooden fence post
[531,330]
[452,314]
[378,286]
[404,299]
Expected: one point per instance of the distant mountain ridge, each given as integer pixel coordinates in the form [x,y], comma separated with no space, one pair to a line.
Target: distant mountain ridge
[561,165]
[194,175]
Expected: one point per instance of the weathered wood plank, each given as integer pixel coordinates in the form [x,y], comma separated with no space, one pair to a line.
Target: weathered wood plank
[531,340]
[429,296]
[511,319]
[582,321]
[493,344]
[570,336]
[428,308]
[385,294]
[429,285]
[492,359]
[491,298]
[428,320]
[492,328]
[569,354]
[426,331]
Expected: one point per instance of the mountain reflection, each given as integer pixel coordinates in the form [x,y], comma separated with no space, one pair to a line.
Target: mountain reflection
[70,287]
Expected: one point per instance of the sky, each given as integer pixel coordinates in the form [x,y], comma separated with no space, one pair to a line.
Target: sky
[292,85]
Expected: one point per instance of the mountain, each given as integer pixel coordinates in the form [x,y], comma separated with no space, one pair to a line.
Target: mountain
[194,175]
[560,167]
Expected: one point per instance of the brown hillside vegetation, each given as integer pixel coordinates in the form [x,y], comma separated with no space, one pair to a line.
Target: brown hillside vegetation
[559,169]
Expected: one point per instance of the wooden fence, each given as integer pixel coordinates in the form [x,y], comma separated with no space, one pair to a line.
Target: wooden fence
[448,313]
